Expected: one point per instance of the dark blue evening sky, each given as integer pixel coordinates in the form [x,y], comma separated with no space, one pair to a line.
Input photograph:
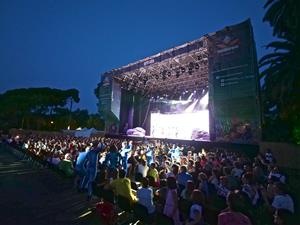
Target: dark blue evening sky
[69,43]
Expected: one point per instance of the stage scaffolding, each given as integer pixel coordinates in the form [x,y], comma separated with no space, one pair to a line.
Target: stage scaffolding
[222,63]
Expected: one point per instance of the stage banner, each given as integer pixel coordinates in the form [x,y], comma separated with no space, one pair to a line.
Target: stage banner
[116,99]
[105,95]
[234,90]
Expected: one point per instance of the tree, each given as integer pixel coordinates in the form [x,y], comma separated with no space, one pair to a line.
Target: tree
[96,122]
[282,68]
[20,106]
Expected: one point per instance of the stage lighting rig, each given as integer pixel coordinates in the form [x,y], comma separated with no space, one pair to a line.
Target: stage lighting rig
[164,75]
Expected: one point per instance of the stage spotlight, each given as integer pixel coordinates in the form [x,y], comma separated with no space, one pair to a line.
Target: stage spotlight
[197,66]
[191,65]
[145,80]
[182,69]
[169,73]
[164,74]
[190,96]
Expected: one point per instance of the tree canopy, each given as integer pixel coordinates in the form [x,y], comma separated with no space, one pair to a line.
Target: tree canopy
[41,108]
[281,71]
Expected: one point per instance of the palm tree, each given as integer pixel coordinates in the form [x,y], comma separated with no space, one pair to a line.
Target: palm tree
[281,69]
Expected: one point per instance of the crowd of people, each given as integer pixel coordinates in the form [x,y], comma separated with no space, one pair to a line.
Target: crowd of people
[191,186]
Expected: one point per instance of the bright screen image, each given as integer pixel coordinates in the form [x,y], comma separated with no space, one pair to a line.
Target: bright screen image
[189,126]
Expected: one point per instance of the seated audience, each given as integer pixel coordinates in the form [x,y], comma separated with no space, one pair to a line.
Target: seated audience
[122,186]
[152,172]
[215,172]
[284,217]
[281,199]
[66,165]
[233,215]
[196,210]
[188,190]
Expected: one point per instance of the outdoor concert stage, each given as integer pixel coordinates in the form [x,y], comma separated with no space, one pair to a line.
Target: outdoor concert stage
[205,90]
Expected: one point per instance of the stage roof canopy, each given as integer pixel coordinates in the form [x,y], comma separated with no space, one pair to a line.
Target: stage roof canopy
[167,74]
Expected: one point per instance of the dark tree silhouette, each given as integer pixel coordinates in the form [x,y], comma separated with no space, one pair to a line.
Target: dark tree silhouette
[281,69]
[25,108]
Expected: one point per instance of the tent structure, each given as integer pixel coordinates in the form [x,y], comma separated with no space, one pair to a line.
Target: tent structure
[85,132]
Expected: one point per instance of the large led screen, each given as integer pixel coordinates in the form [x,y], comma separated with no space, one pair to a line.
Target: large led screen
[189,126]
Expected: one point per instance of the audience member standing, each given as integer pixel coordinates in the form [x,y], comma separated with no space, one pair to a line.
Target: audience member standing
[124,153]
[91,165]
[79,166]
[145,196]
[113,158]
[171,205]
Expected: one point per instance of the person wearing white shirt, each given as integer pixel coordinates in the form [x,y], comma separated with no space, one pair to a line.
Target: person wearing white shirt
[276,175]
[281,199]
[142,168]
[237,170]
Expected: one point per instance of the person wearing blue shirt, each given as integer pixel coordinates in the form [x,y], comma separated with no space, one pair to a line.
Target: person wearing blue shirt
[124,153]
[175,153]
[90,166]
[150,155]
[183,177]
[79,166]
[113,158]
